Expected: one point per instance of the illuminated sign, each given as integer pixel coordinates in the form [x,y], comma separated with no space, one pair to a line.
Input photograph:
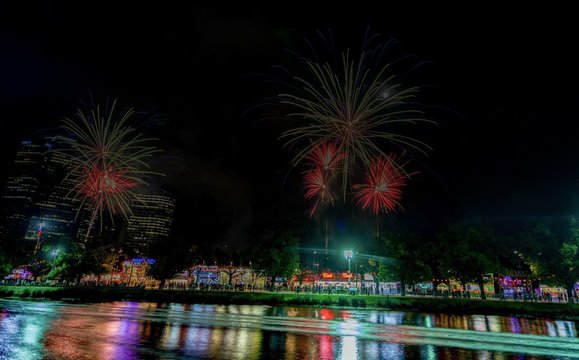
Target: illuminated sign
[328,276]
[345,275]
[140,261]
[311,278]
[207,269]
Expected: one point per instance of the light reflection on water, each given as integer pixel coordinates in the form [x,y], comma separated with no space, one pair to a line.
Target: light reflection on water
[132,330]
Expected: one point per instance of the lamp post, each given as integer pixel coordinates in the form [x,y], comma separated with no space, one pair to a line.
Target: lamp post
[252,276]
[348,255]
[315,252]
[54,253]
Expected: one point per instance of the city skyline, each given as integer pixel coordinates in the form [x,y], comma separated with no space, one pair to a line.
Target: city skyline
[39,208]
[501,92]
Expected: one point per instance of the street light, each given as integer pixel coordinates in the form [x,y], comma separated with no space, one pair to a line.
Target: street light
[315,252]
[348,255]
[54,253]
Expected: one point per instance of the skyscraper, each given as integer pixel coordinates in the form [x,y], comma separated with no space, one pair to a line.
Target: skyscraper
[54,210]
[20,190]
[37,205]
[151,220]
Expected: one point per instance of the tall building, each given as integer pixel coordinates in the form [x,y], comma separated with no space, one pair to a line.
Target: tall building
[151,220]
[37,205]
[105,228]
[54,215]
[20,190]
[54,210]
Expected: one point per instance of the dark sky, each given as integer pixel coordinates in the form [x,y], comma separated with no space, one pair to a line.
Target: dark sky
[501,83]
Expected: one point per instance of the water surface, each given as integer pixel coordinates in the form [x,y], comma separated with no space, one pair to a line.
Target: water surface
[140,330]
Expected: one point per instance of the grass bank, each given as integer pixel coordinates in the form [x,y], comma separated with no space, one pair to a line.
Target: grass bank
[417,304]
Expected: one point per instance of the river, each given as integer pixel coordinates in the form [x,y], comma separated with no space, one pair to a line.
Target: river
[141,330]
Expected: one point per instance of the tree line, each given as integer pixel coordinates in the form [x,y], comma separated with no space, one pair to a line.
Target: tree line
[543,249]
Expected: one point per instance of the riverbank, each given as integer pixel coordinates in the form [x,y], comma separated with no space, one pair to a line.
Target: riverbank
[417,304]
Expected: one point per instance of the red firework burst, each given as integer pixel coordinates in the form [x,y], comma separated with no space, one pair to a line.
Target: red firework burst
[108,159]
[383,187]
[326,156]
[106,187]
[317,184]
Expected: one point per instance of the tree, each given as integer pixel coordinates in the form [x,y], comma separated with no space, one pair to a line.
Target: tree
[7,264]
[302,274]
[564,265]
[467,250]
[231,271]
[78,261]
[171,257]
[276,252]
[256,271]
[374,264]
[404,259]
[569,269]
[554,254]
[92,257]
[67,266]
[538,244]
[12,254]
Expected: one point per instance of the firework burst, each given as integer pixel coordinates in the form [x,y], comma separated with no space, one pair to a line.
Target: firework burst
[107,158]
[356,106]
[382,190]
[107,188]
[326,156]
[317,186]
[325,160]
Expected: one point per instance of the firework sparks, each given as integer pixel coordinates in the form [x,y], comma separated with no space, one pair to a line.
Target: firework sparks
[107,188]
[383,187]
[327,156]
[317,185]
[356,107]
[325,160]
[107,158]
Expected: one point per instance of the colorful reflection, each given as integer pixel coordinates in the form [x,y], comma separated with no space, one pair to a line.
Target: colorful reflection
[131,330]
[21,333]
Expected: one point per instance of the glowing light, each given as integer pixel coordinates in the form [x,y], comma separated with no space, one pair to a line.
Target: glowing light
[197,341]
[326,347]
[494,323]
[392,351]
[32,333]
[428,321]
[216,342]
[349,328]
[428,352]
[171,335]
[348,348]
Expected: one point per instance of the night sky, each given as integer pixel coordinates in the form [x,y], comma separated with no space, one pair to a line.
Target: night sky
[501,83]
